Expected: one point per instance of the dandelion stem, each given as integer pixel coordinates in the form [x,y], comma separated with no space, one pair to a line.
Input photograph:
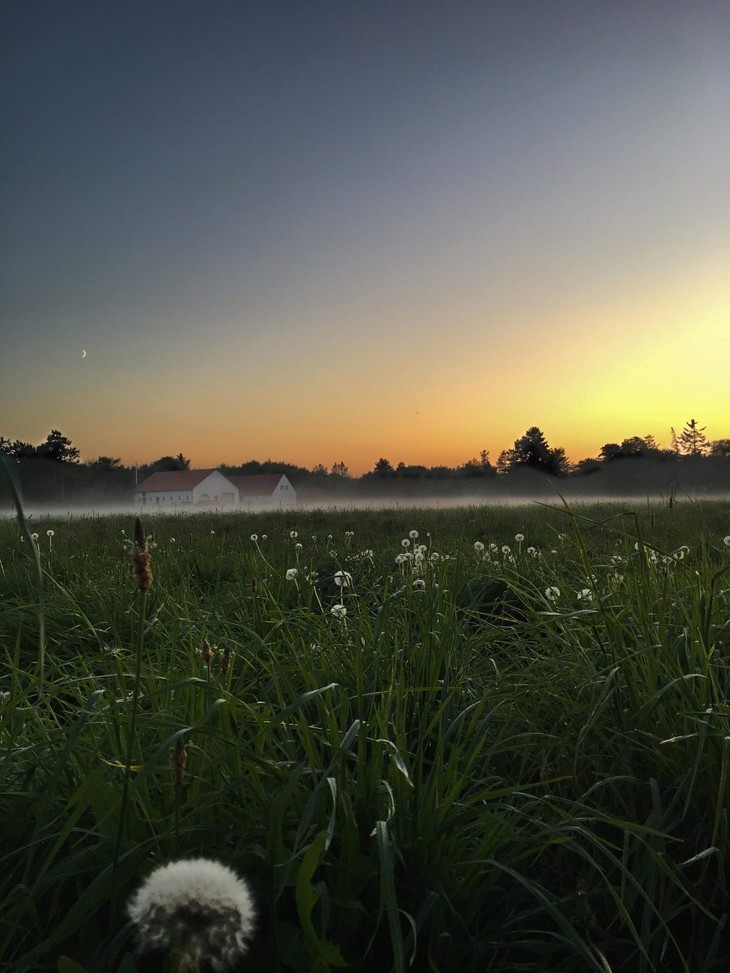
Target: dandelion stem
[130,743]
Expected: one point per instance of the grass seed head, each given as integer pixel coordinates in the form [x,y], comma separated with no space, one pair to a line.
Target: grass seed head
[141,558]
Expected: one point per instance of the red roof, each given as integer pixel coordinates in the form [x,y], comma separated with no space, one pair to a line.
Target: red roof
[172,480]
[260,485]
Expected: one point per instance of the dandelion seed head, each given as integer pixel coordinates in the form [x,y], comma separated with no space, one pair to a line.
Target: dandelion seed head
[338,611]
[552,593]
[506,549]
[726,541]
[254,537]
[419,583]
[343,579]
[291,574]
[478,546]
[50,533]
[405,542]
[293,534]
[413,534]
[196,910]
[34,537]
[519,538]
[585,594]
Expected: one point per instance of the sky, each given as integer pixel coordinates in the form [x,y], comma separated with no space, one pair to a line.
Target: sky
[335,230]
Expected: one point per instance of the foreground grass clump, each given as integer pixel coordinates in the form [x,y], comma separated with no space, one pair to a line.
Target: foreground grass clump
[479,739]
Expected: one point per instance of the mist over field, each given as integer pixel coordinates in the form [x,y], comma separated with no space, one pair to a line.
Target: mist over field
[707,479]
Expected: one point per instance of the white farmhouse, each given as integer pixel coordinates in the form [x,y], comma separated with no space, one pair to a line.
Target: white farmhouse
[265,489]
[182,489]
[185,488]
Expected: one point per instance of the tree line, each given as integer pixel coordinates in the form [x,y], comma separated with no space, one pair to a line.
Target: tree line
[52,470]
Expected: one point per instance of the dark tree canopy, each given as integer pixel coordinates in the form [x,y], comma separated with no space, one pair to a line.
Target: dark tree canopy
[720,447]
[167,464]
[532,451]
[58,448]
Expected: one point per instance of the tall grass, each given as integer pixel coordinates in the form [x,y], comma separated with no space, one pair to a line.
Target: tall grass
[460,772]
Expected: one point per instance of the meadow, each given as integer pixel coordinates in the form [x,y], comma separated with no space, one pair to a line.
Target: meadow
[478,739]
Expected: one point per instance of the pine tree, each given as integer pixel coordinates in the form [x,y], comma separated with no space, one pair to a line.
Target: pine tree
[692,440]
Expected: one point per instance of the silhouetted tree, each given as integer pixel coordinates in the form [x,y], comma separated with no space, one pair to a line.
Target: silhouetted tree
[610,451]
[586,466]
[165,464]
[383,467]
[340,469]
[505,460]
[532,451]
[692,440]
[720,447]
[632,448]
[58,448]
[477,467]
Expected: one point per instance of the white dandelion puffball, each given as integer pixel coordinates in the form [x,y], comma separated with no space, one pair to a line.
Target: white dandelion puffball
[478,546]
[405,542]
[34,537]
[506,549]
[343,579]
[413,534]
[339,611]
[726,541]
[585,594]
[552,593]
[519,538]
[419,583]
[293,534]
[50,533]
[291,574]
[254,537]
[196,909]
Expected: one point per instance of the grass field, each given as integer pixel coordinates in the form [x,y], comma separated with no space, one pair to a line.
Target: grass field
[485,739]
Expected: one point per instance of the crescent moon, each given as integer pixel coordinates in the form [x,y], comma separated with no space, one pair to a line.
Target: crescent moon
[83,352]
